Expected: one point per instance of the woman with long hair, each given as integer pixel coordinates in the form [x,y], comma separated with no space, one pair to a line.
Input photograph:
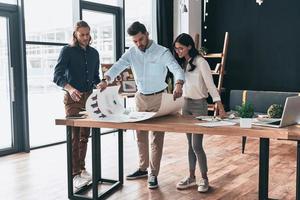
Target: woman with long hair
[198,83]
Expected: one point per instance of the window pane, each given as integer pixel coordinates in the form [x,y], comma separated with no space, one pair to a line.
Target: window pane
[5,128]
[117,3]
[14,2]
[48,20]
[137,11]
[103,34]
[45,99]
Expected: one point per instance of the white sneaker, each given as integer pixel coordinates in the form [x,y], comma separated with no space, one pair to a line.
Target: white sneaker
[186,183]
[86,175]
[79,182]
[203,185]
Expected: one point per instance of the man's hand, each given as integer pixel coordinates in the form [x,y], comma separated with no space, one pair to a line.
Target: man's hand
[74,93]
[177,91]
[103,84]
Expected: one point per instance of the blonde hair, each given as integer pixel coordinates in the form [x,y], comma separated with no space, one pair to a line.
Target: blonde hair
[79,24]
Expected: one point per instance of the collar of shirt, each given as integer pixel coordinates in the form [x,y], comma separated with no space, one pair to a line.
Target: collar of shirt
[149,44]
[81,48]
[148,47]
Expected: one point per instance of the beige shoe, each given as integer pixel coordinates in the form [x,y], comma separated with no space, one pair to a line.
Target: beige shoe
[203,185]
[79,182]
[186,183]
[86,175]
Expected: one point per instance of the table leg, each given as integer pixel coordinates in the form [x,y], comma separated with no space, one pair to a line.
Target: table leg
[120,149]
[124,102]
[69,161]
[96,160]
[298,171]
[263,185]
[96,167]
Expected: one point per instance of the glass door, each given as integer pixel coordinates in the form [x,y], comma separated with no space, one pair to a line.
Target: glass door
[7,88]
[106,33]
[106,26]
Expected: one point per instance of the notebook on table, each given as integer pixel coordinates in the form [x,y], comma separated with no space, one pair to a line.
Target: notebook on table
[290,114]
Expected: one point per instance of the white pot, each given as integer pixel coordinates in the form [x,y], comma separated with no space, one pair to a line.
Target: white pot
[245,122]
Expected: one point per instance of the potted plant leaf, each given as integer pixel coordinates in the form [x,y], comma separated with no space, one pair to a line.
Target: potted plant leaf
[275,111]
[246,112]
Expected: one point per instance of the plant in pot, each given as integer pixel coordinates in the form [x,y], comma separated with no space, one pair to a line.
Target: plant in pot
[246,112]
[275,111]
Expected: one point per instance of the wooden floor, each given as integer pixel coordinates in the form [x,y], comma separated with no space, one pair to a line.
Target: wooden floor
[41,174]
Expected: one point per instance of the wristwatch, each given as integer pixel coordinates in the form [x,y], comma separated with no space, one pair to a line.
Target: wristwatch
[179,82]
[104,79]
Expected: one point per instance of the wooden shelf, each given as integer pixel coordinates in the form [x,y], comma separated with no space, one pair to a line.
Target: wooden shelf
[213,55]
[127,94]
[216,73]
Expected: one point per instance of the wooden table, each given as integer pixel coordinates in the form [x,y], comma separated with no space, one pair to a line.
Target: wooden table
[178,124]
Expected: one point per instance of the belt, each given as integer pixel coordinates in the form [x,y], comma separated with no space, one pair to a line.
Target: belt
[154,93]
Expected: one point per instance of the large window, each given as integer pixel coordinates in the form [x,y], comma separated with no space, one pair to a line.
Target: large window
[48,26]
[103,33]
[48,20]
[142,12]
[117,3]
[5,102]
[11,129]
[13,2]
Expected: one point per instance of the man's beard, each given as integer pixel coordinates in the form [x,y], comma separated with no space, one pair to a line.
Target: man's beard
[142,48]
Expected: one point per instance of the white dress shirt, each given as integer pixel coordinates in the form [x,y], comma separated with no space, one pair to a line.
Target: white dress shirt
[199,82]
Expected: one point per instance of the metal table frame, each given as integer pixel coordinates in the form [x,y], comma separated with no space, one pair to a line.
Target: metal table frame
[96,167]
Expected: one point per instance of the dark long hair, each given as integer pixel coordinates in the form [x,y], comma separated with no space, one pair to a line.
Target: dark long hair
[186,40]
[78,25]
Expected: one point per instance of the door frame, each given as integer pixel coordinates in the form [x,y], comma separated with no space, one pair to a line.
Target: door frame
[19,133]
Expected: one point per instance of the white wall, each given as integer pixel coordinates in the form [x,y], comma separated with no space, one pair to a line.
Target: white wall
[188,22]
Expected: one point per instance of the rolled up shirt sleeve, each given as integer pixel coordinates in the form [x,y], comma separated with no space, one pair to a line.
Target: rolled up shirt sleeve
[173,66]
[119,66]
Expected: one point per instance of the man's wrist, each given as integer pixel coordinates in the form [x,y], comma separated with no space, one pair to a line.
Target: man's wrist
[104,80]
[180,82]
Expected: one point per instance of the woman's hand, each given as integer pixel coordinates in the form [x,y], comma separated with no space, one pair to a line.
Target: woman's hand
[222,113]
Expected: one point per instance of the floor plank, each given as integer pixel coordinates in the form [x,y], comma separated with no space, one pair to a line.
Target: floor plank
[41,174]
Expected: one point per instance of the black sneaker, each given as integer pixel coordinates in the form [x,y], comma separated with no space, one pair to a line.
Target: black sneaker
[137,174]
[152,182]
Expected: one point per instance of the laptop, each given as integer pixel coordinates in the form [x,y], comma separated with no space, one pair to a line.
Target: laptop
[290,115]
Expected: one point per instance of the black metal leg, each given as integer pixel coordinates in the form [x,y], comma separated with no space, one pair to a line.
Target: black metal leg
[263,186]
[96,165]
[244,140]
[298,172]
[69,161]
[125,102]
[120,149]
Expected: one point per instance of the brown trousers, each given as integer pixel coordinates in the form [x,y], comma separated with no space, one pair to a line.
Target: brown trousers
[80,135]
[149,104]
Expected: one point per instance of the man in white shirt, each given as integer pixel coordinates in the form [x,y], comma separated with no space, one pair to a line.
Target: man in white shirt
[149,63]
